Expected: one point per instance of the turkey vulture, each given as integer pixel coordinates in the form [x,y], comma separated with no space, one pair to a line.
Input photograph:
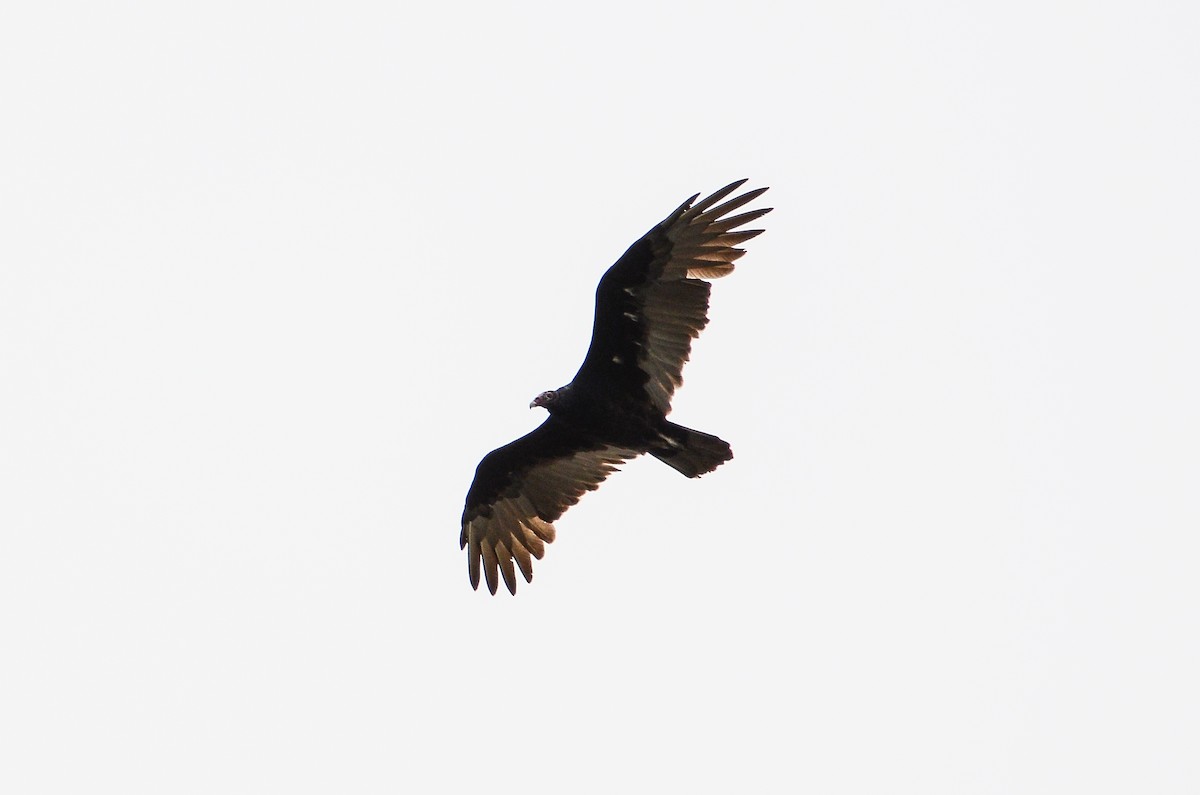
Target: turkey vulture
[649,307]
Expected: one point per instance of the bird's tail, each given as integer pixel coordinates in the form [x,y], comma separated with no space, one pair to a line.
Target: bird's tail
[691,452]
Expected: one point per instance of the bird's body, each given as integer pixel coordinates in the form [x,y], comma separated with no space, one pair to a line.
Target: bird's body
[649,307]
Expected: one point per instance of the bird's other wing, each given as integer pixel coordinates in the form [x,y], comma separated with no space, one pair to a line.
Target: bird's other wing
[520,489]
[653,302]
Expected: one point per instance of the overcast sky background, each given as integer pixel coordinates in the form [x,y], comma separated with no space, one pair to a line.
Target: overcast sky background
[274,277]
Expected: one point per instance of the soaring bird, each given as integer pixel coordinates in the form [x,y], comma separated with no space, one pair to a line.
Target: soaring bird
[650,305]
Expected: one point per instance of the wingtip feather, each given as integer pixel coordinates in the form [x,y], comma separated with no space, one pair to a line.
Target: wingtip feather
[490,567]
[473,566]
[734,221]
[505,557]
[734,203]
[715,197]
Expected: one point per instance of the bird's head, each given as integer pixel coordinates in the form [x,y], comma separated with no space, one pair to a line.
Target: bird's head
[545,400]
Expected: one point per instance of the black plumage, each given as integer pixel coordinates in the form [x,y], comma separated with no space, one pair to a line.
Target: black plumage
[650,305]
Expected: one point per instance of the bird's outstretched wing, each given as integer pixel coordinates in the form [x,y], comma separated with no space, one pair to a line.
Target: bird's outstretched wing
[520,489]
[653,302]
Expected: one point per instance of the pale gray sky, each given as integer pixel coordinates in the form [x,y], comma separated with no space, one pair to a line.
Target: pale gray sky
[274,277]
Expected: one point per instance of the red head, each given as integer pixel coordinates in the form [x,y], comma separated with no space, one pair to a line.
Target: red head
[545,400]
